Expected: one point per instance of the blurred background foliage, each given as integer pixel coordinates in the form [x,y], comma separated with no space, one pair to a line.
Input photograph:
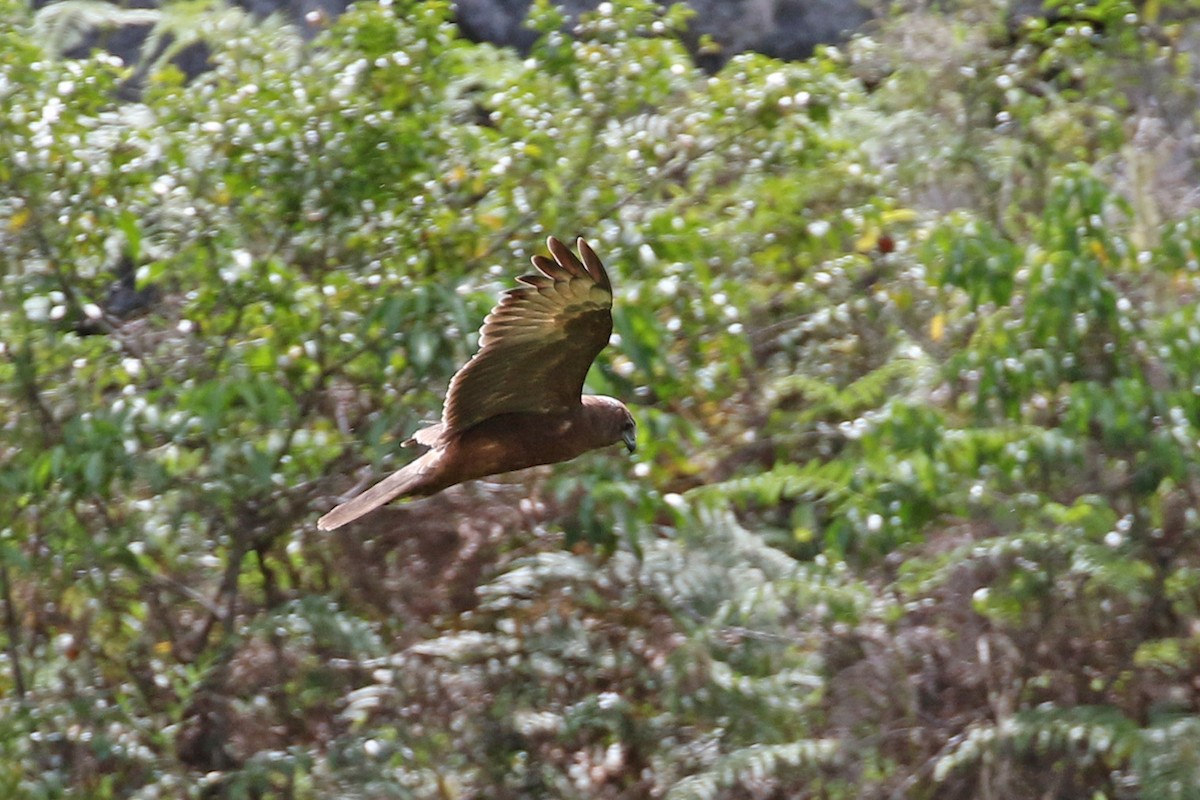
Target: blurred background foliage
[910,330]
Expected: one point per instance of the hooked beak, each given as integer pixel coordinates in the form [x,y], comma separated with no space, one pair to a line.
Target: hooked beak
[630,439]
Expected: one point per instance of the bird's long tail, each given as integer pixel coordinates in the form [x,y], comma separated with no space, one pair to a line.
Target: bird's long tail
[406,480]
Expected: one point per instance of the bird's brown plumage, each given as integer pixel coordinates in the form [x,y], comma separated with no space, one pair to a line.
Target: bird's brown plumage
[518,402]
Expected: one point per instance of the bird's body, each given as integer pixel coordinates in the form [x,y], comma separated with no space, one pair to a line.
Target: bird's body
[518,402]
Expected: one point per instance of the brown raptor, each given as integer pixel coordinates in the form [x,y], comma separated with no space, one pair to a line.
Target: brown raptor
[518,402]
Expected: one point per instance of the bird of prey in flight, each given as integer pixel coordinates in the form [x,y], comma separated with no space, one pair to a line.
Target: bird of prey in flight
[518,402]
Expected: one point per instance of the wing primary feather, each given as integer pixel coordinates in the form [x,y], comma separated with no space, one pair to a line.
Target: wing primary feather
[566,259]
[595,266]
[551,269]
[536,281]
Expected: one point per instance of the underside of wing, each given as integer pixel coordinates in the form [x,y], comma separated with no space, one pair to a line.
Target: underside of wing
[537,344]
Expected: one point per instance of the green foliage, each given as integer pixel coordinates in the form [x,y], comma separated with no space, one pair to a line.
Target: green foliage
[909,328]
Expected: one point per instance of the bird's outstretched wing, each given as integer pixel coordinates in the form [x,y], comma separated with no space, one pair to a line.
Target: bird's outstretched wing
[536,345]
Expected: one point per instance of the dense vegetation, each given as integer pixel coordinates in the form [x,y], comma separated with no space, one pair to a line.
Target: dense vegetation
[910,330]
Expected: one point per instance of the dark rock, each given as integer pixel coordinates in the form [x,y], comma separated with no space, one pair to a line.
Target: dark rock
[76,30]
[124,301]
[786,29]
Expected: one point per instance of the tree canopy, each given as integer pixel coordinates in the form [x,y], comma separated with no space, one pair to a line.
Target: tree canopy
[909,328]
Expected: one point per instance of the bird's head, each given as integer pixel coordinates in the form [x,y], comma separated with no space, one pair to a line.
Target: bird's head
[611,420]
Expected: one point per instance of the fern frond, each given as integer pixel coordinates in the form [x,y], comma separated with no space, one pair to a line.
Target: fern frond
[823,399]
[783,690]
[814,480]
[1088,732]
[1168,762]
[757,763]
[529,578]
